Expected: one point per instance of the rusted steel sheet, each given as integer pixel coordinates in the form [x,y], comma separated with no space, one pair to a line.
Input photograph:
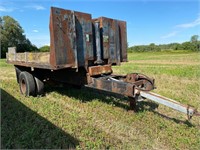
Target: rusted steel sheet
[123,41]
[84,37]
[71,38]
[61,22]
[98,70]
[120,84]
[113,39]
[107,38]
[105,84]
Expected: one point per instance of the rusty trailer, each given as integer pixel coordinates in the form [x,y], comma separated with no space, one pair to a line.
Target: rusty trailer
[82,52]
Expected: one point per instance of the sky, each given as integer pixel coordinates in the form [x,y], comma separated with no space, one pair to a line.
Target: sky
[148,21]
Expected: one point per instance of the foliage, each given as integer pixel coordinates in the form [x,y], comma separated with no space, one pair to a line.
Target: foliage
[193,45]
[194,38]
[45,48]
[12,35]
[144,48]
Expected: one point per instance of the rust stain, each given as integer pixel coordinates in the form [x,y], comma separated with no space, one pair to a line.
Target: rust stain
[98,70]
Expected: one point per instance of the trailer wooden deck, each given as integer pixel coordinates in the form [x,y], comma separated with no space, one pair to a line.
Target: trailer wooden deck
[33,59]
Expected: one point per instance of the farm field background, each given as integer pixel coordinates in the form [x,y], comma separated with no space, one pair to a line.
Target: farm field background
[83,119]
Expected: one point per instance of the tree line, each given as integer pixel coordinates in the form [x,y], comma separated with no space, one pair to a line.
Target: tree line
[12,35]
[193,45]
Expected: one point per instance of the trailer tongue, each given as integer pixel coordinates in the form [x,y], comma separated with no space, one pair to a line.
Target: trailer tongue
[187,109]
[137,87]
[82,52]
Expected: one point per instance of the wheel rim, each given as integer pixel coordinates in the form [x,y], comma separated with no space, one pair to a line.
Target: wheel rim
[23,86]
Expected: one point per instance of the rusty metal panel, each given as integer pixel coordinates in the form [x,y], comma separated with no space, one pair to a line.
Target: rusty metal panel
[123,41]
[98,70]
[108,39]
[113,43]
[105,25]
[71,38]
[84,38]
[74,44]
[63,38]
[113,39]
[117,41]
[103,83]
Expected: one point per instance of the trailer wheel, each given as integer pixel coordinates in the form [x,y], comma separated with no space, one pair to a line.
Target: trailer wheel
[27,84]
[39,86]
[18,71]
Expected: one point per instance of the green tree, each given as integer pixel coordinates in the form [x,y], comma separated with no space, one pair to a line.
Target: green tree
[45,48]
[188,46]
[195,44]
[153,47]
[12,34]
[194,38]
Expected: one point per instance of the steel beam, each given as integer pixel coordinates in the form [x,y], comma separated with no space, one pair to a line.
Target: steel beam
[190,111]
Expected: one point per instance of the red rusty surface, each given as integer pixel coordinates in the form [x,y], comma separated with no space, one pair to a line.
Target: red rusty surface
[98,70]
[103,83]
[123,40]
[67,45]
[131,78]
[84,39]
[62,37]
[143,82]
[105,24]
[114,40]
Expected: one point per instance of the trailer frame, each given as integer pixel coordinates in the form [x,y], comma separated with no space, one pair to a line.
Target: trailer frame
[82,52]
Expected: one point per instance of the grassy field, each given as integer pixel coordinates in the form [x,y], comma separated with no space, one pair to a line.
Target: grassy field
[83,119]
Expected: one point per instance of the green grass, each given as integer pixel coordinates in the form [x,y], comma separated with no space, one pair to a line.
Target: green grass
[3,63]
[83,119]
[182,64]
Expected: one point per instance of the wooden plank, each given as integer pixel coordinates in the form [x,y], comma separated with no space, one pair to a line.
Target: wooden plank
[37,58]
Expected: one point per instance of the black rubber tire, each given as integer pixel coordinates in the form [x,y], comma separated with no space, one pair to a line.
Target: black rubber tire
[18,71]
[39,86]
[27,84]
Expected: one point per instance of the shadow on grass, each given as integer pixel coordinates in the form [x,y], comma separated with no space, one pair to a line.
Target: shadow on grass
[151,106]
[22,128]
[88,94]
[85,95]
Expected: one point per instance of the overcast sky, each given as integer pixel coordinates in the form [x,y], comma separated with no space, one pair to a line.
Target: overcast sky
[148,21]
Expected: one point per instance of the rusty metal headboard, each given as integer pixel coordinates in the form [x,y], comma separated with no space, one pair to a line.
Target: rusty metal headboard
[74,39]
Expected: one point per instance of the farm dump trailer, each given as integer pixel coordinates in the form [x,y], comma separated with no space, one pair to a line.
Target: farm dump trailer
[82,51]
